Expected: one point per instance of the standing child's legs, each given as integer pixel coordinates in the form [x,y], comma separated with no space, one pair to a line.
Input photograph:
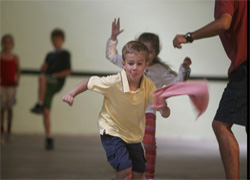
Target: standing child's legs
[149,142]
[8,100]
[9,118]
[2,126]
[9,123]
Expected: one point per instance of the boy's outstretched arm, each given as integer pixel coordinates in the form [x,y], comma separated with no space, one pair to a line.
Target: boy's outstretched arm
[69,97]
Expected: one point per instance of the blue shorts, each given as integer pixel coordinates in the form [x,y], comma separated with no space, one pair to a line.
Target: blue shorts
[233,104]
[122,156]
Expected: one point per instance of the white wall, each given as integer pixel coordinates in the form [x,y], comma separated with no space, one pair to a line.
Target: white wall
[88,25]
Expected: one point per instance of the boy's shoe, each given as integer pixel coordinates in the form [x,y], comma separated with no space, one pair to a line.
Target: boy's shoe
[37,109]
[49,144]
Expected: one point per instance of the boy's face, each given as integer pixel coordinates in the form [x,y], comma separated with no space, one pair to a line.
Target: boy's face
[134,65]
[57,42]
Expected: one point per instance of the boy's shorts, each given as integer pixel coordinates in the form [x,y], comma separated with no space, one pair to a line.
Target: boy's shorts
[52,87]
[122,156]
[8,96]
[233,104]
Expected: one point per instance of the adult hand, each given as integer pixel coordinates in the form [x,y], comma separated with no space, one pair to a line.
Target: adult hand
[178,40]
[115,29]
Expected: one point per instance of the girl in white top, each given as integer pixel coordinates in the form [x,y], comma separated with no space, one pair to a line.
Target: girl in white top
[160,73]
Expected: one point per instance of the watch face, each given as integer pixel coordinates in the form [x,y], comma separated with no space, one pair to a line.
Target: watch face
[188,37]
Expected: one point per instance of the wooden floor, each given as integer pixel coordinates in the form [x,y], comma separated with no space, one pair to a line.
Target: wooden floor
[82,157]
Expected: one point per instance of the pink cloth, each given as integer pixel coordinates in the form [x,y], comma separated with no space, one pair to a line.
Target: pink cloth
[196,90]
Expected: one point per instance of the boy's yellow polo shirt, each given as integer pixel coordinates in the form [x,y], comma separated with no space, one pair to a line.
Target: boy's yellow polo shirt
[123,111]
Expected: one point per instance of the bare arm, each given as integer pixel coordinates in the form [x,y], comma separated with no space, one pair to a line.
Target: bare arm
[69,97]
[18,71]
[44,67]
[62,74]
[212,29]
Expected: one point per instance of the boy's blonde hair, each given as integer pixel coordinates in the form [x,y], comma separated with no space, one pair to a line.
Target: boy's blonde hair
[134,47]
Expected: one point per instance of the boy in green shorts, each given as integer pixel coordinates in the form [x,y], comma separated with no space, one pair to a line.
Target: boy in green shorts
[122,118]
[53,74]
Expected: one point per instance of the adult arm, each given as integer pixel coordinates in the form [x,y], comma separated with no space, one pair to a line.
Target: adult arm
[212,29]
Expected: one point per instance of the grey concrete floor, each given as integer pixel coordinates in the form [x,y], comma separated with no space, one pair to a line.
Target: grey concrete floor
[82,157]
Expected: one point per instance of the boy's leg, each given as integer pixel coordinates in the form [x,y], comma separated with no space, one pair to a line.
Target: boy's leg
[117,155]
[51,89]
[42,88]
[38,107]
[49,143]
[149,143]
[136,154]
[137,175]
[229,148]
[122,174]
[46,120]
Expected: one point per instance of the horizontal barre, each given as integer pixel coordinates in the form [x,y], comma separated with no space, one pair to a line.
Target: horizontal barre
[85,73]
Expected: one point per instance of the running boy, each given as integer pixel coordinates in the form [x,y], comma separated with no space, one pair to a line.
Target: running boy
[53,73]
[122,118]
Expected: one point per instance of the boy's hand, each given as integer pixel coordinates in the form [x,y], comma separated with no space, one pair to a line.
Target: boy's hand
[115,29]
[186,63]
[164,110]
[68,98]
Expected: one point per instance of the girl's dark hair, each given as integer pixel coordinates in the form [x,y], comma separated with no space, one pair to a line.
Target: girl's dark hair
[5,37]
[155,42]
[57,33]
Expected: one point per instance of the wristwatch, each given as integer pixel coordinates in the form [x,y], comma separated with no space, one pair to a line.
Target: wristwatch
[188,37]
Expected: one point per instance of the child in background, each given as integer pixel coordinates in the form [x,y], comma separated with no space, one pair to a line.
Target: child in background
[53,74]
[122,118]
[160,73]
[10,74]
